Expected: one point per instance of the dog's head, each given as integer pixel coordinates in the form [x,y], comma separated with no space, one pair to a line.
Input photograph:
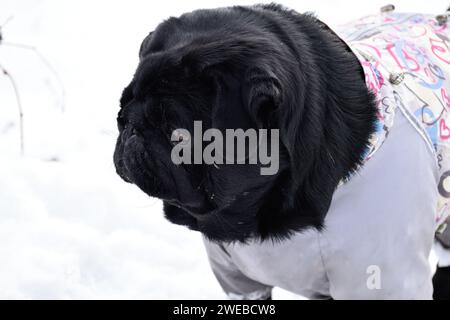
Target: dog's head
[231,69]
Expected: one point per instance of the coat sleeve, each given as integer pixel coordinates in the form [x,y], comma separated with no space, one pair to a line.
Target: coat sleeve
[235,284]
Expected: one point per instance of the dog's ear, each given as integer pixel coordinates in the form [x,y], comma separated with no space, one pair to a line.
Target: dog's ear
[278,97]
[262,93]
[313,146]
[145,45]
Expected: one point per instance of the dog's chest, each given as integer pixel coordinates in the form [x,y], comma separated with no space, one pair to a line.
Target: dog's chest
[406,61]
[299,259]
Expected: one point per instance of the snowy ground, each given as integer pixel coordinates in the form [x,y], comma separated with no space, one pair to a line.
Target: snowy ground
[69,228]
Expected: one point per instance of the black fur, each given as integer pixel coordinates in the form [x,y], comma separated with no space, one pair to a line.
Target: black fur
[441,283]
[246,67]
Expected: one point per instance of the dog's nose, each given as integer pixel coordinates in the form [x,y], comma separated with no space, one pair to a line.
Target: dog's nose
[120,120]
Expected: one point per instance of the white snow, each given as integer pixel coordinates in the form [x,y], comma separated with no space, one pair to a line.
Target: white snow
[69,227]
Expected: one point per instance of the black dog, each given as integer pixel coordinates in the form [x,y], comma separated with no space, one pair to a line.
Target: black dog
[246,67]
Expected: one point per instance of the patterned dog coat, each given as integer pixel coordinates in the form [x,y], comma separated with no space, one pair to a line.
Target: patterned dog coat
[406,61]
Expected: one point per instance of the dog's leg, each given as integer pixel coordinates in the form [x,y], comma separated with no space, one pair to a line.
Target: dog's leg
[441,283]
[441,279]
[236,285]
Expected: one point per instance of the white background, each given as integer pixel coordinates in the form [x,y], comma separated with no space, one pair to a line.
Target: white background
[69,227]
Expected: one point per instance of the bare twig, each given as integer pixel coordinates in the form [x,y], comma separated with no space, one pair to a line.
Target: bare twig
[19,107]
[4,24]
[46,63]
[6,21]
[14,84]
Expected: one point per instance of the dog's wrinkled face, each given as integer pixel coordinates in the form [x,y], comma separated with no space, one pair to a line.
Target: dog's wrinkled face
[235,68]
[171,89]
[146,121]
